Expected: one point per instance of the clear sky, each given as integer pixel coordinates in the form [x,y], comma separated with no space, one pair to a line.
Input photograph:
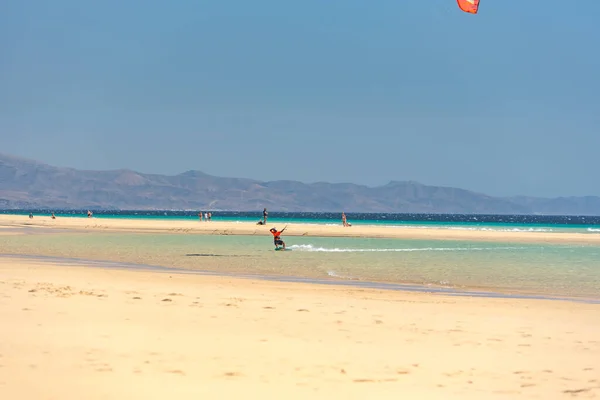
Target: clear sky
[504,102]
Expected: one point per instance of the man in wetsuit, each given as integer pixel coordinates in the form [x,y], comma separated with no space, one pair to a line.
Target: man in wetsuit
[277,237]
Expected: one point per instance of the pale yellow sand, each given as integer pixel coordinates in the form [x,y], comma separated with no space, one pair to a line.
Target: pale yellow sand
[83,333]
[8,229]
[8,232]
[248,228]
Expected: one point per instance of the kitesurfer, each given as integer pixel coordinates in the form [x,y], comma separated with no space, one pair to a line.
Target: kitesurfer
[277,237]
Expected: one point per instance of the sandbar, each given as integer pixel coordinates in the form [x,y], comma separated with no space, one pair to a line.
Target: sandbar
[293,229]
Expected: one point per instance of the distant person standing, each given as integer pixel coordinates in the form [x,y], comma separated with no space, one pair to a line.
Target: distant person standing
[209,216]
[265,216]
[200,216]
[344,220]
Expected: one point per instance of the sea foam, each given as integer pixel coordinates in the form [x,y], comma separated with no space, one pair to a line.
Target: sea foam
[311,248]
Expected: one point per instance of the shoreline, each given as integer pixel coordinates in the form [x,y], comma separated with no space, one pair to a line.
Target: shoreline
[294,229]
[329,274]
[331,282]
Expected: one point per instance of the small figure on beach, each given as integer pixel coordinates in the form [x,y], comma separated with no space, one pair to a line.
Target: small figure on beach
[277,237]
[53,216]
[200,216]
[89,214]
[30,215]
[344,220]
[209,216]
[265,216]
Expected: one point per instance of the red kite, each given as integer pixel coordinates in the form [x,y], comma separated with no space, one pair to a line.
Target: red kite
[469,6]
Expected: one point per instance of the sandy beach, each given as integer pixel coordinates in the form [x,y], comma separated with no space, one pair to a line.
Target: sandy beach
[244,228]
[79,329]
[73,332]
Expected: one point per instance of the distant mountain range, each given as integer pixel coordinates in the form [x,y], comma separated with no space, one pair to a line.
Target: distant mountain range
[27,184]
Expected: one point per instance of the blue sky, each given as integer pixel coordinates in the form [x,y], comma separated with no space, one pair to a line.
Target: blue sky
[505,102]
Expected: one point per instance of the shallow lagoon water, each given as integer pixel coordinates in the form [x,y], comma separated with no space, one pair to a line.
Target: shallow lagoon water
[549,269]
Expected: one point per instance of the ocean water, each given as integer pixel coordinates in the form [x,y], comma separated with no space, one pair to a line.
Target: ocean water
[548,269]
[516,223]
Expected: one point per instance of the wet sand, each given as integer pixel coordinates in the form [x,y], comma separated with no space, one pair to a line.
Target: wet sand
[248,228]
[73,332]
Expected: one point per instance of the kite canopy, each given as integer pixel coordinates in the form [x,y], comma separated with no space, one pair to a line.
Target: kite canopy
[469,6]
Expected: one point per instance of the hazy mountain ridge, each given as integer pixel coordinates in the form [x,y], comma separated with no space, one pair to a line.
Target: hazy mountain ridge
[30,184]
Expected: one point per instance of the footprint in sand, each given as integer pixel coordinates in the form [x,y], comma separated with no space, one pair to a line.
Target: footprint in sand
[176,372]
[520,372]
[577,391]
[99,366]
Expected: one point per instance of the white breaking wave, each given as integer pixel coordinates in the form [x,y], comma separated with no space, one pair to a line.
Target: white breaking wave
[507,229]
[470,228]
[593,230]
[311,248]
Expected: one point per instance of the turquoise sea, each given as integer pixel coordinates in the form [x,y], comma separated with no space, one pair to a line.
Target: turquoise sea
[542,269]
[525,223]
